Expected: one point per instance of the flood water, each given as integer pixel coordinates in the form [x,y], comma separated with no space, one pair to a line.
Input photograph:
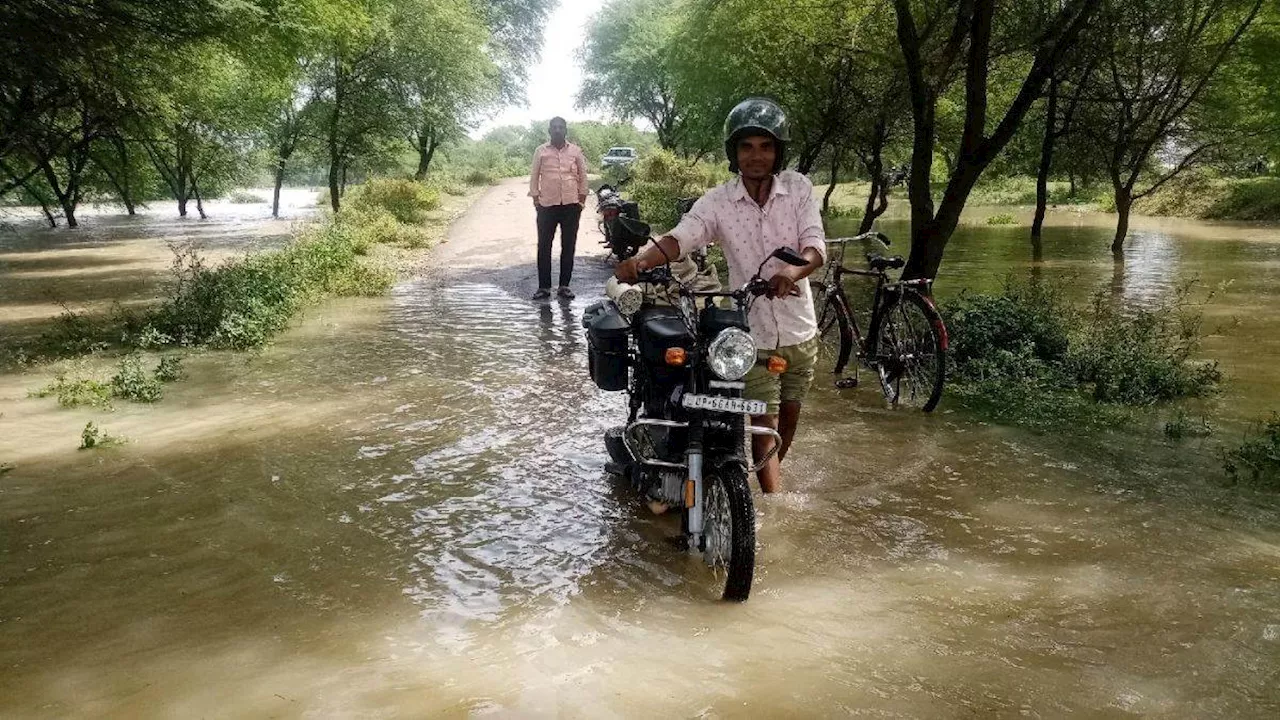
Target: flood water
[400,510]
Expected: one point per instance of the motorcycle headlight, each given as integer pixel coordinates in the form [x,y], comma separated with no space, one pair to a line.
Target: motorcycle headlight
[732,354]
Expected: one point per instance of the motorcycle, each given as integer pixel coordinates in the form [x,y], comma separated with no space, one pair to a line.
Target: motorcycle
[682,367]
[610,206]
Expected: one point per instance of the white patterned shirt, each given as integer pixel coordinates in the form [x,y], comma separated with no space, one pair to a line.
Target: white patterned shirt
[748,233]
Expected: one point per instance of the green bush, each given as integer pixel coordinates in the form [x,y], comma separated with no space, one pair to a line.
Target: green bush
[244,197]
[1028,356]
[1021,333]
[1002,219]
[170,369]
[1141,356]
[243,303]
[92,437]
[132,382]
[1257,459]
[480,177]
[661,179]
[76,391]
[408,201]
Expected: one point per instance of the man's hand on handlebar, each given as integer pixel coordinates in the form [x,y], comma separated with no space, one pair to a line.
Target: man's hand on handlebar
[782,284]
[628,271]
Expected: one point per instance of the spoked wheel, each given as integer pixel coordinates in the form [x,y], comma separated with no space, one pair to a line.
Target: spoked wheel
[835,330]
[729,531]
[911,353]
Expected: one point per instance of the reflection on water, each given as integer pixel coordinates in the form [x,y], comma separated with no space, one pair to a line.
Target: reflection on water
[400,509]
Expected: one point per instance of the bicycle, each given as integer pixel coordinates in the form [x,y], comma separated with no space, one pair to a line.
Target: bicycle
[906,342]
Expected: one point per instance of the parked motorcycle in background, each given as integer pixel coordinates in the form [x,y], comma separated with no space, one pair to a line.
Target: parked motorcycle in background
[610,206]
[682,367]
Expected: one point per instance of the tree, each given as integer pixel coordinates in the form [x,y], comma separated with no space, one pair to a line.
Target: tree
[626,66]
[1160,60]
[445,77]
[943,39]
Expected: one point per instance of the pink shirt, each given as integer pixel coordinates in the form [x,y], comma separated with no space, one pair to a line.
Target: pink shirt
[559,175]
[748,233]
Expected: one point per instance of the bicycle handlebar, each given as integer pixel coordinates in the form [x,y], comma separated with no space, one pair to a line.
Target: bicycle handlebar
[873,235]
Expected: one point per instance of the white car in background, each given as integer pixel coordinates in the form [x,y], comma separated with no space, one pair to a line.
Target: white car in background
[618,156]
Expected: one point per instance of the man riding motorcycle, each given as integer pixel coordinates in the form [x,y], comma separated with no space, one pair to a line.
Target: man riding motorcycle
[763,208]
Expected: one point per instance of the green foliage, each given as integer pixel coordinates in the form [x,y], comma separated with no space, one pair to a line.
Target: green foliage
[76,390]
[93,437]
[244,197]
[627,59]
[1183,426]
[1257,459]
[170,369]
[243,303]
[661,179]
[1199,196]
[1026,355]
[132,382]
[1002,219]
[1143,355]
[407,201]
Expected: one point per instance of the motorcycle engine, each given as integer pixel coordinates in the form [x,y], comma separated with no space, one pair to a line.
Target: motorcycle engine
[671,488]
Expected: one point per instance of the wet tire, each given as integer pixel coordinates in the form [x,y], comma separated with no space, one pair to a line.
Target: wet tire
[912,353]
[835,330]
[727,489]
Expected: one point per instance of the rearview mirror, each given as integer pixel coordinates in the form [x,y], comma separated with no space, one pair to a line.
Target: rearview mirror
[790,257]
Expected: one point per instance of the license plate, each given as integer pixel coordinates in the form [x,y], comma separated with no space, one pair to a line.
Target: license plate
[715,403]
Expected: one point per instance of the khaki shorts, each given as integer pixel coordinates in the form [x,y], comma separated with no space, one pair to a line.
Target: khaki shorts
[790,386]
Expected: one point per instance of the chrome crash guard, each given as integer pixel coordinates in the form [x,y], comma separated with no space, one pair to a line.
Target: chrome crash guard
[692,464]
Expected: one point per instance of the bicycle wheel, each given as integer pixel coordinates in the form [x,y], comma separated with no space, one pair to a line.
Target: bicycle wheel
[835,329]
[729,527]
[911,352]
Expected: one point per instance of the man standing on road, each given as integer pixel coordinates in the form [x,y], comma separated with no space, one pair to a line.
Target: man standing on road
[750,216]
[558,186]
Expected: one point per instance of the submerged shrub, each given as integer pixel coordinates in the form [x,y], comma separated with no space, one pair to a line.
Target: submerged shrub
[93,437]
[132,382]
[1028,356]
[76,391]
[170,369]
[1141,356]
[242,303]
[244,197]
[1002,219]
[408,201]
[1257,459]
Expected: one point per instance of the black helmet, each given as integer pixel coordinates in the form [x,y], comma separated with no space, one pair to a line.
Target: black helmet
[756,116]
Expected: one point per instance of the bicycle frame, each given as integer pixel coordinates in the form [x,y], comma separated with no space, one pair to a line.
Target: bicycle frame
[887,294]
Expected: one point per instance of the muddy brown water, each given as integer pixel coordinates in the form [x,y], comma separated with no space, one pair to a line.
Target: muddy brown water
[400,509]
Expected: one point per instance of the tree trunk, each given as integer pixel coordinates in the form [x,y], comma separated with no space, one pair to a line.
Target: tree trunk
[66,199]
[427,145]
[1124,205]
[182,206]
[1071,179]
[195,189]
[335,192]
[877,203]
[335,157]
[831,187]
[275,196]
[1046,160]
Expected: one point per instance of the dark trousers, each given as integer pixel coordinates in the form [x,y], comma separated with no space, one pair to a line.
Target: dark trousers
[566,217]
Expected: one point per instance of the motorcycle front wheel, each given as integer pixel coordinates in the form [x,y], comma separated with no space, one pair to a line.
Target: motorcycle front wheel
[729,530]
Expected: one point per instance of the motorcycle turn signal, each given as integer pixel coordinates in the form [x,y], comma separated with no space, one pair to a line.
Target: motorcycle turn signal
[777,364]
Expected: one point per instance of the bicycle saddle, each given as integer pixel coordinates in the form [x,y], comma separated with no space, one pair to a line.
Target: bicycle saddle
[880,262]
